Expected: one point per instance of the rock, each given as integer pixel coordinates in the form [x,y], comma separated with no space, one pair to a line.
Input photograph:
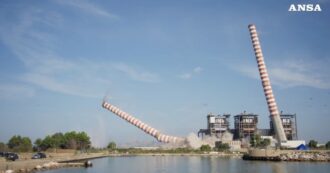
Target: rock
[38,167]
[46,165]
[9,171]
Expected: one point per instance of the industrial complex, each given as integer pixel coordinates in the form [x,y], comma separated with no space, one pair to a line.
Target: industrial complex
[245,126]
[282,130]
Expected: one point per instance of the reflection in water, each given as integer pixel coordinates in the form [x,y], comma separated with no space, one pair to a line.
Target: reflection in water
[193,164]
[278,167]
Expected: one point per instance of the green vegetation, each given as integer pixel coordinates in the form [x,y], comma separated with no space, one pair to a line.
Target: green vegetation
[205,148]
[21,144]
[219,146]
[112,146]
[70,140]
[327,145]
[257,141]
[312,144]
[265,143]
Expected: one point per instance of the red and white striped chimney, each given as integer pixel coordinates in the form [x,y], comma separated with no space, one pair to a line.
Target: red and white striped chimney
[272,107]
[144,127]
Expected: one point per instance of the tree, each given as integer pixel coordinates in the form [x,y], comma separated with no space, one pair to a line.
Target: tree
[221,146]
[112,146]
[327,145]
[37,144]
[312,144]
[264,143]
[14,141]
[58,140]
[18,143]
[257,141]
[47,142]
[74,140]
[26,144]
[83,140]
[205,148]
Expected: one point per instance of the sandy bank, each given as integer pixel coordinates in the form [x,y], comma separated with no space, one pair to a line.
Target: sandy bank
[26,164]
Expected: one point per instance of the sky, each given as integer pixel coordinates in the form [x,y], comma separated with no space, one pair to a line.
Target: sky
[168,63]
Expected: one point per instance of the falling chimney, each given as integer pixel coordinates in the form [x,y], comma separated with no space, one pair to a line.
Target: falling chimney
[272,107]
[144,127]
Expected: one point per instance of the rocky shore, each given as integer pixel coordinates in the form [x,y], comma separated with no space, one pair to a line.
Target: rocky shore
[306,156]
[287,155]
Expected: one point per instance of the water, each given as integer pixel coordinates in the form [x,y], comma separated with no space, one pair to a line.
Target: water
[194,164]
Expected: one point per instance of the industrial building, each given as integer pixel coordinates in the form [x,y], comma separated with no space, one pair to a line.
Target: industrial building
[289,123]
[216,125]
[245,125]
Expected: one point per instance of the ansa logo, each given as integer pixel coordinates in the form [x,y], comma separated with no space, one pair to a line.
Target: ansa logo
[305,7]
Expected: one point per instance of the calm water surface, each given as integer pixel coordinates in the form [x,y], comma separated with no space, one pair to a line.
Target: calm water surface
[193,164]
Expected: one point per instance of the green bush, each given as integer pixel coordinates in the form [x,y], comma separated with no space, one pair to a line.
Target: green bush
[312,144]
[20,144]
[327,145]
[219,146]
[205,148]
[69,140]
[257,141]
[112,146]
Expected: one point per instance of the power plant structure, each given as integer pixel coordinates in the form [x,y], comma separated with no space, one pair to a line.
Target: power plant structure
[289,122]
[144,127]
[245,125]
[272,106]
[216,125]
[282,126]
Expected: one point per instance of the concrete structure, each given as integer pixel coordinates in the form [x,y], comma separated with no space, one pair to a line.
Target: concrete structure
[245,125]
[144,127]
[292,144]
[272,106]
[289,123]
[216,125]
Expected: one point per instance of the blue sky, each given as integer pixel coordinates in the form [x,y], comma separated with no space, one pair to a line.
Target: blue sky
[168,63]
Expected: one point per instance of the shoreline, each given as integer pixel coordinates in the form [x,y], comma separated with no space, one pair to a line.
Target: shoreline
[60,160]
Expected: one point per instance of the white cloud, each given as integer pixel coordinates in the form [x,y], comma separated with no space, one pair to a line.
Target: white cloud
[189,75]
[291,78]
[88,8]
[134,74]
[65,87]
[45,67]
[291,74]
